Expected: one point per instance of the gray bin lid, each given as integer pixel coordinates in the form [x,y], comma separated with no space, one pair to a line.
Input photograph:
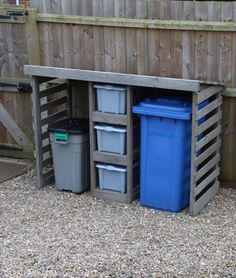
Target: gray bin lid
[71,126]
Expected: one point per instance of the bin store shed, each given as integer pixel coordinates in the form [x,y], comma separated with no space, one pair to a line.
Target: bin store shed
[205,153]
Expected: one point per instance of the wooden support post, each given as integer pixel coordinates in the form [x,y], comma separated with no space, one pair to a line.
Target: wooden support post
[37,132]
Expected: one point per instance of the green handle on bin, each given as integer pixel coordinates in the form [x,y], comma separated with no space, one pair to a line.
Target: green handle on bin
[61,137]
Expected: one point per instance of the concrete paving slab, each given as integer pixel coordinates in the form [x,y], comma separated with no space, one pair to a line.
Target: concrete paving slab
[10,168]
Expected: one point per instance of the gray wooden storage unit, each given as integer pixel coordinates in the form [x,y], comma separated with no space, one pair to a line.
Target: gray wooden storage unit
[204,164]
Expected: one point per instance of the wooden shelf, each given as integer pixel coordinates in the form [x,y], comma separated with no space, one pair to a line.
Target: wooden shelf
[109,118]
[110,158]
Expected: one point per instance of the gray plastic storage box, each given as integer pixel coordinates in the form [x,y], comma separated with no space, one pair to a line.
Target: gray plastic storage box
[111,139]
[115,177]
[70,149]
[111,99]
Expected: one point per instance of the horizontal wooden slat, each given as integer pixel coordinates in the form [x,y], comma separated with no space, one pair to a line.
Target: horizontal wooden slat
[54,117]
[109,118]
[138,23]
[48,177]
[110,158]
[210,136]
[45,135]
[110,195]
[213,162]
[206,181]
[203,156]
[53,103]
[47,161]
[46,148]
[208,92]
[208,123]
[115,78]
[208,108]
[204,199]
[52,89]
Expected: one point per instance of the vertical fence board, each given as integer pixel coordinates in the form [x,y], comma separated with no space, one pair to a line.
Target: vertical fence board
[165,53]
[176,54]
[77,47]
[153,52]
[200,55]
[153,7]
[120,49]
[131,50]
[119,8]
[142,53]
[99,48]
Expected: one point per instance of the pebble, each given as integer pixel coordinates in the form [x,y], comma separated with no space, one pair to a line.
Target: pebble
[46,233]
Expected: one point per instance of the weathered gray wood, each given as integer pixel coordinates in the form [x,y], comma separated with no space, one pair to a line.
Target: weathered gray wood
[115,78]
[208,108]
[110,158]
[110,195]
[109,118]
[208,123]
[46,148]
[205,199]
[48,161]
[193,154]
[206,181]
[52,89]
[129,145]
[13,128]
[48,177]
[54,117]
[53,103]
[210,136]
[213,162]
[93,172]
[207,153]
[208,92]
[38,133]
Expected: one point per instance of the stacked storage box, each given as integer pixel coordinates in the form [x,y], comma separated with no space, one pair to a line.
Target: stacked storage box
[112,138]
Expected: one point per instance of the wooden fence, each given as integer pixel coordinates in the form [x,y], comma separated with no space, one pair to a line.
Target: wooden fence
[183,39]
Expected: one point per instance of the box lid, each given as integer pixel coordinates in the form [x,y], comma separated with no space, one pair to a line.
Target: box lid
[109,87]
[175,108]
[71,126]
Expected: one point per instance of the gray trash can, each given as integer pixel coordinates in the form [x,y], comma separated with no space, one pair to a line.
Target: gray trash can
[70,149]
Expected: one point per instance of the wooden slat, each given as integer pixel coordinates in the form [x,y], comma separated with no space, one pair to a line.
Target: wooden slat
[47,161]
[207,153]
[208,138]
[208,123]
[53,103]
[46,149]
[53,89]
[213,162]
[138,23]
[208,92]
[92,140]
[205,199]
[110,195]
[110,158]
[109,118]
[44,135]
[115,78]
[206,181]
[129,145]
[208,108]
[48,177]
[54,117]
[13,128]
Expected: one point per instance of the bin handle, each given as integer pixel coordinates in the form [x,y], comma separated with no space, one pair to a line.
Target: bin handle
[61,138]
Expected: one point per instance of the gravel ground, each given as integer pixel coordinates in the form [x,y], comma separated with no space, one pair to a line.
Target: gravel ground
[45,233]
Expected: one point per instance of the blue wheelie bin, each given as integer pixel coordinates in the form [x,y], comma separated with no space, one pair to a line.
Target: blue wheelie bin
[165,153]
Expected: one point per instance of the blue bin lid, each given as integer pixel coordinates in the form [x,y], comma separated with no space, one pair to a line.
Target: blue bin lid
[174,108]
